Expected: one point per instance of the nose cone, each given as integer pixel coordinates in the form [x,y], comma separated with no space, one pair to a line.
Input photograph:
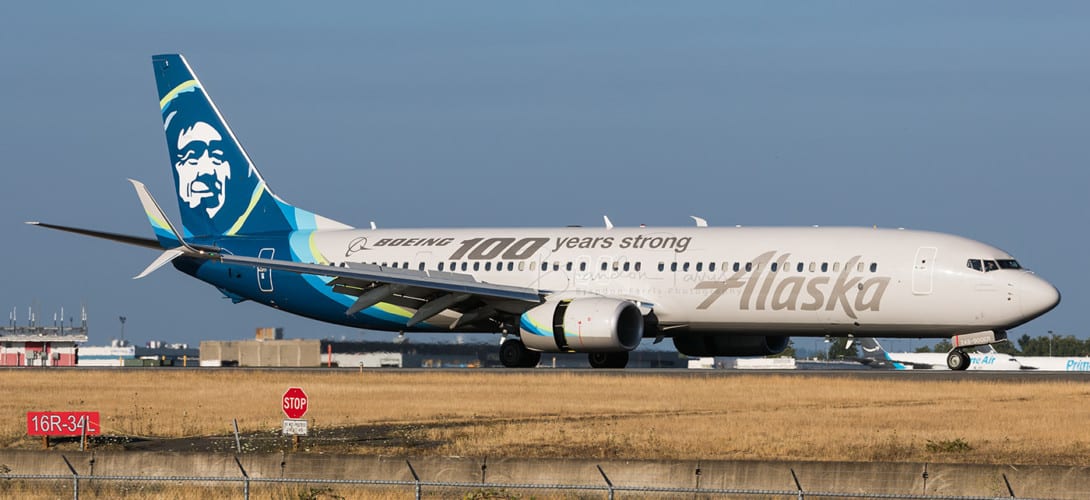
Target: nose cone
[1037,296]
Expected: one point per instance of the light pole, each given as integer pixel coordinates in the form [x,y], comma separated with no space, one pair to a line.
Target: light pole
[122,318]
[1050,337]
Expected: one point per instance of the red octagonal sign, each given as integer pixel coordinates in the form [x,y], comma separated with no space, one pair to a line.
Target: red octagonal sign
[295,403]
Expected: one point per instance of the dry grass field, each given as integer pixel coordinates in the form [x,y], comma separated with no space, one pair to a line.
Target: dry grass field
[580,414]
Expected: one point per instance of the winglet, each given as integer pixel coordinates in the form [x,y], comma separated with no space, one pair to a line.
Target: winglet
[609,223]
[164,229]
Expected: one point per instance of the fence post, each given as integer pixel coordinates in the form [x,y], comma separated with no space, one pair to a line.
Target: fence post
[798,485]
[608,482]
[415,478]
[75,478]
[1008,483]
[245,479]
[238,443]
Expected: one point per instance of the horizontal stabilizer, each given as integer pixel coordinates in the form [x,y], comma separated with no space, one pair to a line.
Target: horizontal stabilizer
[123,238]
[166,257]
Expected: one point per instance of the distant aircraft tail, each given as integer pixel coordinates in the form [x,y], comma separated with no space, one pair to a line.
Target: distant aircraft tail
[219,190]
[874,354]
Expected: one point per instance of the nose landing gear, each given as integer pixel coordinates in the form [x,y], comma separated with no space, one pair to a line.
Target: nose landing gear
[957,360]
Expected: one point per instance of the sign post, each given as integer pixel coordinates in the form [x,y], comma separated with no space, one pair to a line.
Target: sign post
[295,404]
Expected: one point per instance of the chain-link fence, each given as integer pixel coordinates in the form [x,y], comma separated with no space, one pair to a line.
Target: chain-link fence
[422,488]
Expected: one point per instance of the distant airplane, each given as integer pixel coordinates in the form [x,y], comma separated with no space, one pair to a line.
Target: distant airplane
[715,291]
[981,358]
[1056,364]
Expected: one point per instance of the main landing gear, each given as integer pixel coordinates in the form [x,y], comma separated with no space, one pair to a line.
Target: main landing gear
[608,359]
[957,360]
[514,354]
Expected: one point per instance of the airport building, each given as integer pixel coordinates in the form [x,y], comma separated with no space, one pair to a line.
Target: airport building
[154,353]
[270,350]
[34,345]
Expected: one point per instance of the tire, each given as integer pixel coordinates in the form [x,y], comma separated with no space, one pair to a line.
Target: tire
[513,354]
[957,360]
[608,359]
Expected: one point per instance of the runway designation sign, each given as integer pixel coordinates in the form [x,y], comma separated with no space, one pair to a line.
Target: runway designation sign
[295,403]
[62,423]
[295,427]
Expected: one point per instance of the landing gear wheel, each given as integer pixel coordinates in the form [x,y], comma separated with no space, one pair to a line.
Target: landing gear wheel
[514,354]
[608,359]
[957,360]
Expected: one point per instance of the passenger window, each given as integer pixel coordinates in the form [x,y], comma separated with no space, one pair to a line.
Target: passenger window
[685,267]
[421,266]
[568,267]
[582,266]
[662,266]
[441,266]
[975,264]
[487,266]
[605,266]
[873,267]
[465,265]
[813,267]
[556,266]
[711,267]
[736,267]
[522,266]
[699,266]
[749,266]
[673,267]
[836,266]
[773,267]
[404,265]
[824,267]
[476,266]
[799,267]
[511,266]
[638,266]
[859,267]
[626,267]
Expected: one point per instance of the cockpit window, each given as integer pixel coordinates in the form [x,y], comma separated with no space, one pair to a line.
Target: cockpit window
[986,265]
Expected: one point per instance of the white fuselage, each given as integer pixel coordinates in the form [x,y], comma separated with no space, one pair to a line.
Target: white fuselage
[761,280]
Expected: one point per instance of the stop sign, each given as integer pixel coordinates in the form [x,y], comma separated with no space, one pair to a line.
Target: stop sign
[295,403]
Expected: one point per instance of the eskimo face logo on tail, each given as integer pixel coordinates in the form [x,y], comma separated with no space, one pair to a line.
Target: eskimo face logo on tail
[213,177]
[202,168]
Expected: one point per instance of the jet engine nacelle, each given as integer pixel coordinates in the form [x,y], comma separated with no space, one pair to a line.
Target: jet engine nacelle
[595,324]
[707,344]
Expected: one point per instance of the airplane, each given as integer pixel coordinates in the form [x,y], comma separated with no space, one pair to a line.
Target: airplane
[980,358]
[715,291]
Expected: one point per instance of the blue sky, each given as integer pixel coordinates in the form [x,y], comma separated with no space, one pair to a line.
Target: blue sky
[966,117]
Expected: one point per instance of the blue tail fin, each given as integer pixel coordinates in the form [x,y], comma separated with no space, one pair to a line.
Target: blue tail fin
[219,190]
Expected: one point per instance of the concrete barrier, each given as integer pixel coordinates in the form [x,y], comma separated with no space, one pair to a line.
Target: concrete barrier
[847,477]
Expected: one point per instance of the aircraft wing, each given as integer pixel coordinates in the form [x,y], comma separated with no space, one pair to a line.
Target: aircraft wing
[428,292]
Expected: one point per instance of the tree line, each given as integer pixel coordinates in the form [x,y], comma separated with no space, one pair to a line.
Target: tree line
[1045,345]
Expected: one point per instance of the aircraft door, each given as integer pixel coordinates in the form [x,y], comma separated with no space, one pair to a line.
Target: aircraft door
[264,274]
[923,270]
